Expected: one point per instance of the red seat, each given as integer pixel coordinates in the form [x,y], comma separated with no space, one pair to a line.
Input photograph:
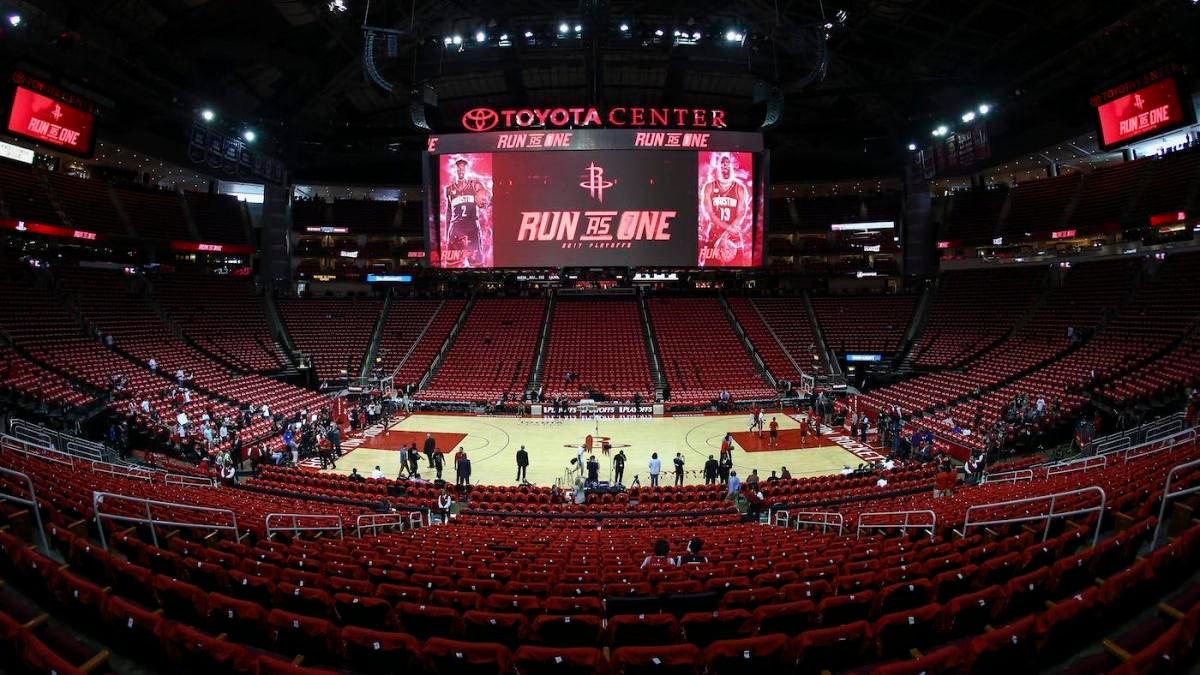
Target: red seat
[581,630]
[842,609]
[704,628]
[179,600]
[641,630]
[194,651]
[355,610]
[317,639]
[683,659]
[750,656]
[967,615]
[790,618]
[947,659]
[568,605]
[134,627]
[535,660]
[1004,649]
[834,649]
[506,628]
[243,621]
[378,651]
[897,633]
[452,657]
[427,621]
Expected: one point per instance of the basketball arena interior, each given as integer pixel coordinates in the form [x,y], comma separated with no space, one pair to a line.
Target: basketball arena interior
[630,338]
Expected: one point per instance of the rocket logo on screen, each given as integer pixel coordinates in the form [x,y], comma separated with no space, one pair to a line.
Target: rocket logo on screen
[594,183]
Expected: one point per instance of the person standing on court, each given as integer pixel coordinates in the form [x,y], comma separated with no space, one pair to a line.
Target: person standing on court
[439,463]
[430,448]
[593,470]
[724,467]
[464,471]
[679,468]
[619,467]
[522,465]
[774,433]
[655,467]
[710,471]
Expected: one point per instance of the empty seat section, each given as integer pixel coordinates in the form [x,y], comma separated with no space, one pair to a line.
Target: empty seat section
[602,345]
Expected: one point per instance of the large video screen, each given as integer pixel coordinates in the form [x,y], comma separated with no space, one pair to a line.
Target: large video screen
[594,204]
[1151,110]
[46,120]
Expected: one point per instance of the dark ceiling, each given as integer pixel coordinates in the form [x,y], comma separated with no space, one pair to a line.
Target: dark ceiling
[297,71]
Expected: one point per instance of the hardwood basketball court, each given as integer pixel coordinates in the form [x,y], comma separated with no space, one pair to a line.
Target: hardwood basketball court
[492,442]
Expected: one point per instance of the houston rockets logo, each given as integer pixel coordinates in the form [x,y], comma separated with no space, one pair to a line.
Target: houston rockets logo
[57,112]
[594,183]
[480,119]
[1138,101]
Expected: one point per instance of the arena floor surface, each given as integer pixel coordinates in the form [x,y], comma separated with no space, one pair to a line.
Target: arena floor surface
[492,442]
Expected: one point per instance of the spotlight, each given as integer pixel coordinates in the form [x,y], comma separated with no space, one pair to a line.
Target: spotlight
[207,115]
[528,33]
[942,130]
[676,33]
[249,135]
[337,6]
[480,36]
[912,147]
[447,41]
[504,37]
[563,28]
[695,36]
[984,109]
[968,117]
[578,28]
[658,33]
[841,16]
[624,28]
[457,39]
[14,20]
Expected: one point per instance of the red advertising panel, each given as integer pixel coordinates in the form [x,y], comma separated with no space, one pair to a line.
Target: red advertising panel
[1151,110]
[48,230]
[597,198]
[46,120]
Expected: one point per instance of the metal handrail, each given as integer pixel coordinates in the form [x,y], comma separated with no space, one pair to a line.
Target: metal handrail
[1014,476]
[31,502]
[133,473]
[1048,517]
[1158,445]
[1078,464]
[1167,496]
[187,480]
[99,498]
[64,442]
[417,519]
[907,523]
[374,521]
[31,449]
[296,528]
[826,519]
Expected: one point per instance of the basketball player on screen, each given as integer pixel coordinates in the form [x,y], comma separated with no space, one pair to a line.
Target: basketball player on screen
[465,196]
[726,202]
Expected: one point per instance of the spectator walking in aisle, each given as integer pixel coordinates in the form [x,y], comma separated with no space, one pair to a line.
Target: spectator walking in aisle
[655,467]
[679,468]
[522,465]
[711,467]
[619,467]
[153,365]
